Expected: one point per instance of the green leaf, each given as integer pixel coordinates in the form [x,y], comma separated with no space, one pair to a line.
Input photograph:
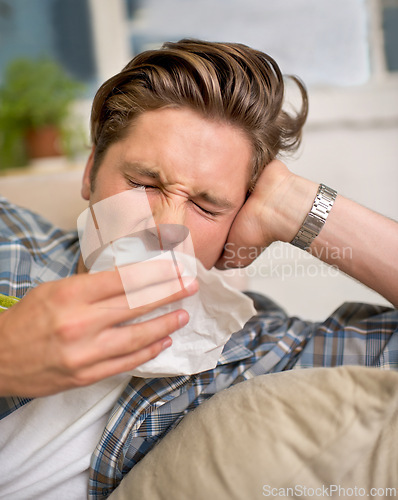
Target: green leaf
[6,301]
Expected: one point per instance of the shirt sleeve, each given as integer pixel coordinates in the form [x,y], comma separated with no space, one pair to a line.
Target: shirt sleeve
[355,334]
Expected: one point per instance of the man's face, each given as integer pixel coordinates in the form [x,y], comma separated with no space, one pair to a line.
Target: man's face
[195,172]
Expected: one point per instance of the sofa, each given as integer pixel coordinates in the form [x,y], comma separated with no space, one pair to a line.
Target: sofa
[315,432]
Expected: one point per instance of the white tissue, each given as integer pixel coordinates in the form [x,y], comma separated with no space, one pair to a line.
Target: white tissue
[216,312]
[120,231]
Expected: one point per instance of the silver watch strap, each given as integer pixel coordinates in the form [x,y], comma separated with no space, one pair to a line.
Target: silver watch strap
[316,218]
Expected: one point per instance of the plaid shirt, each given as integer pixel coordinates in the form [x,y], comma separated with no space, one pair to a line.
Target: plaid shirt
[33,251]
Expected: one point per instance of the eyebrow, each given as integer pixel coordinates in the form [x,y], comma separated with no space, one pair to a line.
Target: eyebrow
[221,203]
[143,170]
[153,173]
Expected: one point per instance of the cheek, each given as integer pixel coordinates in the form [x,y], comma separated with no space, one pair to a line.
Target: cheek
[107,183]
[208,240]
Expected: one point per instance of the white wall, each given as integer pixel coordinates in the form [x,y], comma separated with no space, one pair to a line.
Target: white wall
[110,35]
[350,144]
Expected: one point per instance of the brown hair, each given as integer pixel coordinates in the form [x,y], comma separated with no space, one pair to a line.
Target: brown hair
[222,81]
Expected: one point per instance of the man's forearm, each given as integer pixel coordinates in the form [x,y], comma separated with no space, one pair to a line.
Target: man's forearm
[366,246]
[358,241]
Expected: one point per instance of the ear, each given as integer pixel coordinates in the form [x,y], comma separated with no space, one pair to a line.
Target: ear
[86,184]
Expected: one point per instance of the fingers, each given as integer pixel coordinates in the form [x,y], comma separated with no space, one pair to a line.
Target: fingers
[260,221]
[238,256]
[90,288]
[57,337]
[229,258]
[89,321]
[124,342]
[187,291]
[115,366]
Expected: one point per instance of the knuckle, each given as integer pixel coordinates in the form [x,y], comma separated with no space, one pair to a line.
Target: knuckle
[66,290]
[154,350]
[82,380]
[62,293]
[166,324]
[69,328]
[65,330]
[174,322]
[77,379]
[69,363]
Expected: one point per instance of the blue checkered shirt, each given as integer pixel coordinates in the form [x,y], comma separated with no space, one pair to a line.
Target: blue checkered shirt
[33,251]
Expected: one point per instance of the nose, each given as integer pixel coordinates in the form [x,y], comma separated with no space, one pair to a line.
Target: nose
[170,212]
[170,227]
[163,237]
[171,235]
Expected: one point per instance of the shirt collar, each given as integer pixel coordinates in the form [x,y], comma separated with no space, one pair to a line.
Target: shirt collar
[234,351]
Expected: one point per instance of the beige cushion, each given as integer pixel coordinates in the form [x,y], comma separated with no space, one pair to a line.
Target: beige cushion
[54,194]
[310,428]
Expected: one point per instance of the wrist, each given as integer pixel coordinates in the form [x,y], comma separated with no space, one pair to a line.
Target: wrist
[316,217]
[295,200]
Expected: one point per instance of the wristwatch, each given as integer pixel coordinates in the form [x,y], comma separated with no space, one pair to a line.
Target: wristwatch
[316,218]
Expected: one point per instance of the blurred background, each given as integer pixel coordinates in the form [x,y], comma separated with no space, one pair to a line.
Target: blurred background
[55,53]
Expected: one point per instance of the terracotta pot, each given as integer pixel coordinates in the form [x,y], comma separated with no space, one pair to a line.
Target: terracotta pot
[43,142]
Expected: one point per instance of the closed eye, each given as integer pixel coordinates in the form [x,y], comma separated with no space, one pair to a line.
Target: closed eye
[136,185]
[208,212]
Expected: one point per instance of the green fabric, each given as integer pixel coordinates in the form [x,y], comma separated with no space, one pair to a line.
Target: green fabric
[7,301]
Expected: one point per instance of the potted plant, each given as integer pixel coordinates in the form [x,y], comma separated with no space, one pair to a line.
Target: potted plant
[35,101]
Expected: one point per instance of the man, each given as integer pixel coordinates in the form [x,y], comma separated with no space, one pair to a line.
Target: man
[198,126]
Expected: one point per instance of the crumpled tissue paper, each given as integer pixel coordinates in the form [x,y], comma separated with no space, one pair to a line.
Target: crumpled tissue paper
[216,311]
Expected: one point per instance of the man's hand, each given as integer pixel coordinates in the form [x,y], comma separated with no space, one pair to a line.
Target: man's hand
[360,242]
[65,334]
[266,216]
